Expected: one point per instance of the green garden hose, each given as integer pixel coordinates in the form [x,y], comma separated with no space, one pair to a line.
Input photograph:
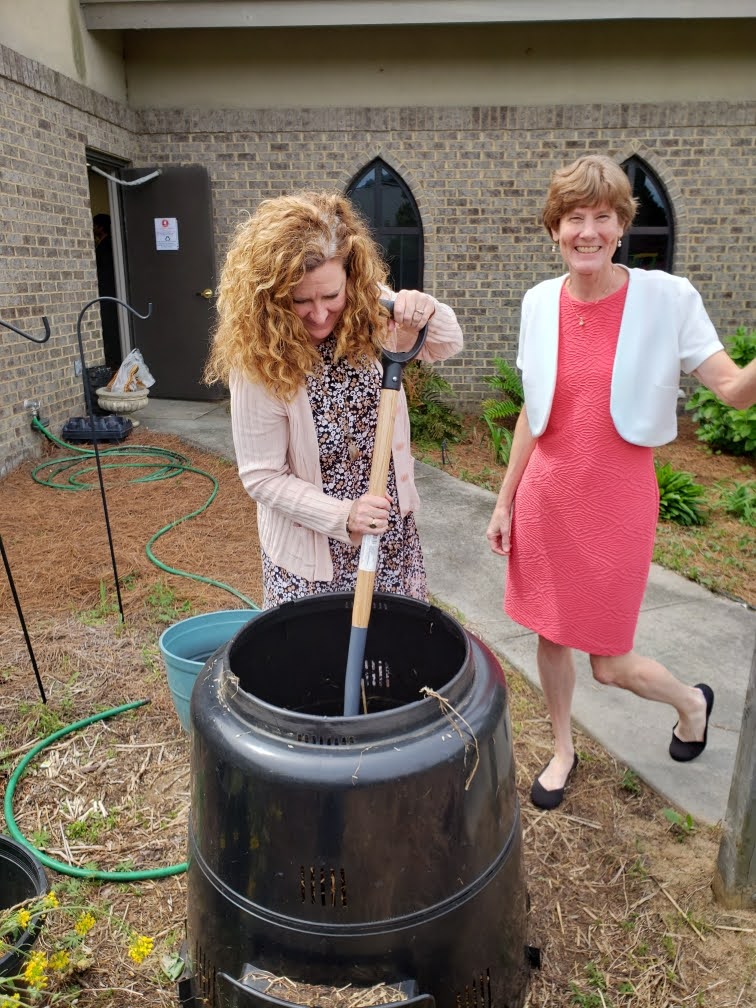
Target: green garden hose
[69,473]
[164,464]
[60,866]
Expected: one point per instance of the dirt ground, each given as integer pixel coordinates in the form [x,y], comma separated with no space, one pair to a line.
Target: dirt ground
[621,904]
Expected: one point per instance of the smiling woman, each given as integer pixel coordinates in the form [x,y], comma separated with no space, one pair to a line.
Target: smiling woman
[299,341]
[601,352]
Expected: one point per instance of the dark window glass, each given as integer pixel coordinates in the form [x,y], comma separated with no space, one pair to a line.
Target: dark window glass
[648,243]
[363,193]
[390,209]
[403,256]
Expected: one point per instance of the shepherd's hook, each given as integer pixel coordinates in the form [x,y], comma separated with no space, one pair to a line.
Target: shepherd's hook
[6,564]
[26,335]
[90,414]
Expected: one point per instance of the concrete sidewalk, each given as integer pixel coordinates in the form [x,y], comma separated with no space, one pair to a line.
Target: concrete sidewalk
[699,636]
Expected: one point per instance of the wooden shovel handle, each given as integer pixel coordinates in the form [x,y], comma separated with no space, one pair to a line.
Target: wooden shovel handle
[379,467]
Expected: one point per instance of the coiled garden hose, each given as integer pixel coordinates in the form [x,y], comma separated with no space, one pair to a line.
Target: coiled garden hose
[164,464]
[69,473]
[60,866]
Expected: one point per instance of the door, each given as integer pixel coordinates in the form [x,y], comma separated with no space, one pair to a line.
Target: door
[170,254]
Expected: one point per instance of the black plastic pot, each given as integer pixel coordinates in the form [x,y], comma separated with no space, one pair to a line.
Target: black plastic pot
[373,849]
[22,877]
[98,376]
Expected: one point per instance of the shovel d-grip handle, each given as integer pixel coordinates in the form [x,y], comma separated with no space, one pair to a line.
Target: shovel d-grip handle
[393,366]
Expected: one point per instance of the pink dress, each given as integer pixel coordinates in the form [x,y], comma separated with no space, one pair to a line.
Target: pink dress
[586,509]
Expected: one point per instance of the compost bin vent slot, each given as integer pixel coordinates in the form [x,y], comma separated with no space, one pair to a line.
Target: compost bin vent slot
[326,886]
[376,674]
[205,974]
[327,740]
[478,994]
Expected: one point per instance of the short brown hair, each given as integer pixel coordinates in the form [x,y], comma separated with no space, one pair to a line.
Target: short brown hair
[589,181]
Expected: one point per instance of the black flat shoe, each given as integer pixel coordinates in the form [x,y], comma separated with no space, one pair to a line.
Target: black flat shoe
[543,798]
[683,752]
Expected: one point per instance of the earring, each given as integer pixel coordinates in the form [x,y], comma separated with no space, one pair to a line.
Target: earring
[619,243]
[553,248]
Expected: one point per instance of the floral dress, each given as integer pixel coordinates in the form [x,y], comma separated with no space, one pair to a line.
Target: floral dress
[344,402]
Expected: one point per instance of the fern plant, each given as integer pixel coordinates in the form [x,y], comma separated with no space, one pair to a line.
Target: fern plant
[679,496]
[496,412]
[739,500]
[723,428]
[432,419]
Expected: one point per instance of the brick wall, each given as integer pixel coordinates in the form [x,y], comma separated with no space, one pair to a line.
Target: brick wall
[478,175]
[46,245]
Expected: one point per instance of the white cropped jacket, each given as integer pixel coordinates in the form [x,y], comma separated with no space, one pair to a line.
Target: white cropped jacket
[664,329]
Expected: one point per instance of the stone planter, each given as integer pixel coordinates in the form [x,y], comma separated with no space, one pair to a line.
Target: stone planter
[122,402]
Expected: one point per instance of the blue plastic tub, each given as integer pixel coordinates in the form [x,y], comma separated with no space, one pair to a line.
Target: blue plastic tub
[187,645]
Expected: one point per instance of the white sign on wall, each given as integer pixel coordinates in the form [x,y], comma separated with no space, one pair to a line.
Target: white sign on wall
[166,234]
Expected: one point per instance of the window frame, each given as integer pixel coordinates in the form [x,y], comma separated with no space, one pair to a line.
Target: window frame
[382,232]
[631,166]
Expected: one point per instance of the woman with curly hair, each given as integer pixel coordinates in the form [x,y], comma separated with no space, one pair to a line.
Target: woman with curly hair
[299,342]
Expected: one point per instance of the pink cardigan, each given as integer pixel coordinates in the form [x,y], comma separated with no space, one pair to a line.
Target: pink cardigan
[278,459]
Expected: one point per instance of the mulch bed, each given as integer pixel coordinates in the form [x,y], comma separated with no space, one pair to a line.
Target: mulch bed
[621,904]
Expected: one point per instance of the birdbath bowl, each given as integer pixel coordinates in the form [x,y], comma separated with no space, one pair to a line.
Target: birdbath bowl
[122,403]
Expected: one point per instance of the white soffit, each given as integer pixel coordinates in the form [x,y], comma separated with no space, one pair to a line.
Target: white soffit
[156,14]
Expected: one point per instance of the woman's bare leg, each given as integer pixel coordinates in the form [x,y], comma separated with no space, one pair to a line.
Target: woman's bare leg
[652,681]
[556,670]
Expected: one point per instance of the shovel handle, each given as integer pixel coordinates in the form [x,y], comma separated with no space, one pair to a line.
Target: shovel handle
[393,365]
[384,432]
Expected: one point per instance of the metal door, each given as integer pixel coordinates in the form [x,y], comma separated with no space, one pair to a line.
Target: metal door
[168,225]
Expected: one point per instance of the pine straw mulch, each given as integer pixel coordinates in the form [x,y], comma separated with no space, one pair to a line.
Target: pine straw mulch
[621,904]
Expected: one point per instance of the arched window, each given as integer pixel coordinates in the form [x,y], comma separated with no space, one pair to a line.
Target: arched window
[388,206]
[649,242]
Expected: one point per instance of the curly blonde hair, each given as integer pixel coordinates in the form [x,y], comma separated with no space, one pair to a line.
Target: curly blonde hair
[589,181]
[258,332]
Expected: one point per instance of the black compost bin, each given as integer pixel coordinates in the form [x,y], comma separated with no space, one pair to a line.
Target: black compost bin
[22,878]
[380,848]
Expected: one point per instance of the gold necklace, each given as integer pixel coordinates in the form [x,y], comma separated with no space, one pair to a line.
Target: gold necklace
[571,301]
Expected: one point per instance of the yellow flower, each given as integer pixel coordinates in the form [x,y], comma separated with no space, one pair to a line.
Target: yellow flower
[140,948]
[84,924]
[23,918]
[10,1000]
[35,971]
[60,960]
[51,900]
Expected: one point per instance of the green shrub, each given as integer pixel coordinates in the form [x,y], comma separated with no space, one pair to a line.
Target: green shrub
[721,427]
[678,496]
[739,500]
[500,411]
[432,419]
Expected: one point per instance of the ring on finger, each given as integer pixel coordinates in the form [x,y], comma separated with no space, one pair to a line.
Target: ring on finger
[372,525]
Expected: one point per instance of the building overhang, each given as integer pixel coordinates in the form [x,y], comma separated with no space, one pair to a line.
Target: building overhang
[139,15]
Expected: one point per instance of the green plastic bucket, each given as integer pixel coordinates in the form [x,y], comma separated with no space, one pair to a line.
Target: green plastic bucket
[187,645]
